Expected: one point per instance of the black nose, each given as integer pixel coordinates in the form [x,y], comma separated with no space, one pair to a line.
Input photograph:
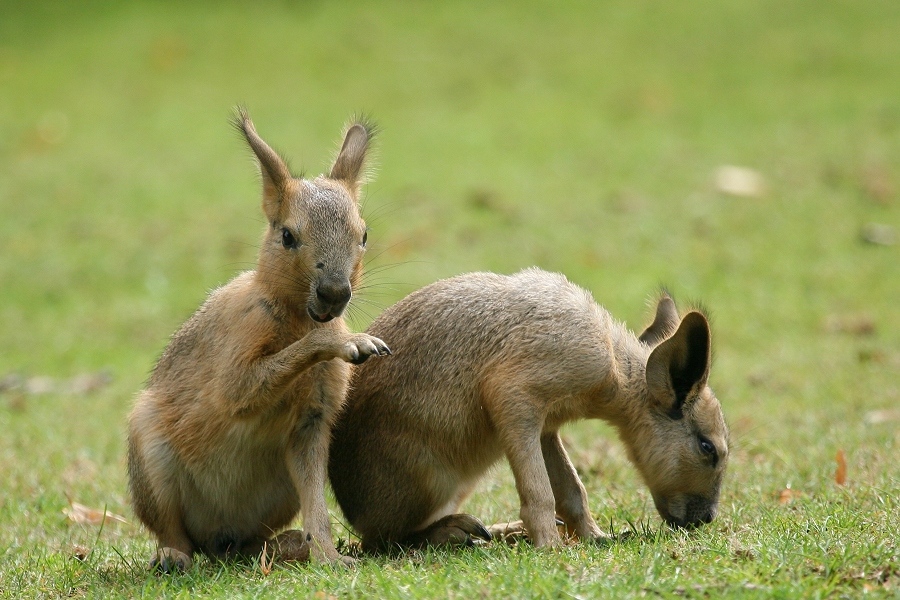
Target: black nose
[701,513]
[333,292]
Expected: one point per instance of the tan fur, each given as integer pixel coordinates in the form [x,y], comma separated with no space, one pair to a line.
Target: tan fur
[487,366]
[230,437]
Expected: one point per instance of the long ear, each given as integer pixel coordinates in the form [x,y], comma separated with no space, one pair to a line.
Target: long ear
[275,173]
[679,367]
[351,160]
[664,324]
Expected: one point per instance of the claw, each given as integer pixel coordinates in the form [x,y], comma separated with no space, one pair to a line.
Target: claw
[452,530]
[481,532]
[169,560]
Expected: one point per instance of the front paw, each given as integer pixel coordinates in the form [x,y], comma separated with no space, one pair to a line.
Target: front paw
[344,561]
[170,560]
[361,346]
[330,557]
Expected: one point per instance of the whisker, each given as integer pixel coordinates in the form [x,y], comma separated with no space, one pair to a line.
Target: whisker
[368,302]
[354,310]
[358,322]
[379,277]
[386,292]
[377,245]
[384,209]
[381,280]
[390,295]
[389,266]
[249,266]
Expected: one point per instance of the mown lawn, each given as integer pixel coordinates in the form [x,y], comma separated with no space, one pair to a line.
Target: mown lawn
[583,138]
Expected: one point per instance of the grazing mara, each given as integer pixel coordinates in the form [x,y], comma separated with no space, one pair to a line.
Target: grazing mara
[487,366]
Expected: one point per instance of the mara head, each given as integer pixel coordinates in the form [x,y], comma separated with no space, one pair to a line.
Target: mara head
[680,444]
[315,239]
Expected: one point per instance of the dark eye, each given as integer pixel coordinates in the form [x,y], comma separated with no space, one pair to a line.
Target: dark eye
[287,238]
[365,238]
[707,447]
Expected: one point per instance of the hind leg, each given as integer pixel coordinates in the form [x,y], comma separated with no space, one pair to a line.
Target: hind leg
[422,512]
[175,547]
[445,526]
[156,498]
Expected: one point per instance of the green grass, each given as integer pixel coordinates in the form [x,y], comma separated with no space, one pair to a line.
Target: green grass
[581,138]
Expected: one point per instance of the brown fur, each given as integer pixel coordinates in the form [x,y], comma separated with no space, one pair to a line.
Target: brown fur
[230,437]
[487,366]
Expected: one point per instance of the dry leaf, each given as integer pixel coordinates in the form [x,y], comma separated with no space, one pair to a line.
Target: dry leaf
[83,515]
[739,181]
[882,416]
[840,474]
[39,385]
[744,554]
[788,495]
[265,564]
[80,553]
[87,383]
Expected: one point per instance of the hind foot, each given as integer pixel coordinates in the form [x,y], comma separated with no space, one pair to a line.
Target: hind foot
[293,545]
[514,532]
[288,546]
[170,560]
[452,530]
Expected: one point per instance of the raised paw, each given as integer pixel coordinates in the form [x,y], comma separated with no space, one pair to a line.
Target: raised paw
[170,560]
[452,530]
[361,346]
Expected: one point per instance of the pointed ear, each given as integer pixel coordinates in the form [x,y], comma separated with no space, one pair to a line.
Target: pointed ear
[350,163]
[679,367]
[276,177]
[663,325]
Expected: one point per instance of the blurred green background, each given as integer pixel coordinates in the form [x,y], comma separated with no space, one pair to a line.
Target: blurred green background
[583,137]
